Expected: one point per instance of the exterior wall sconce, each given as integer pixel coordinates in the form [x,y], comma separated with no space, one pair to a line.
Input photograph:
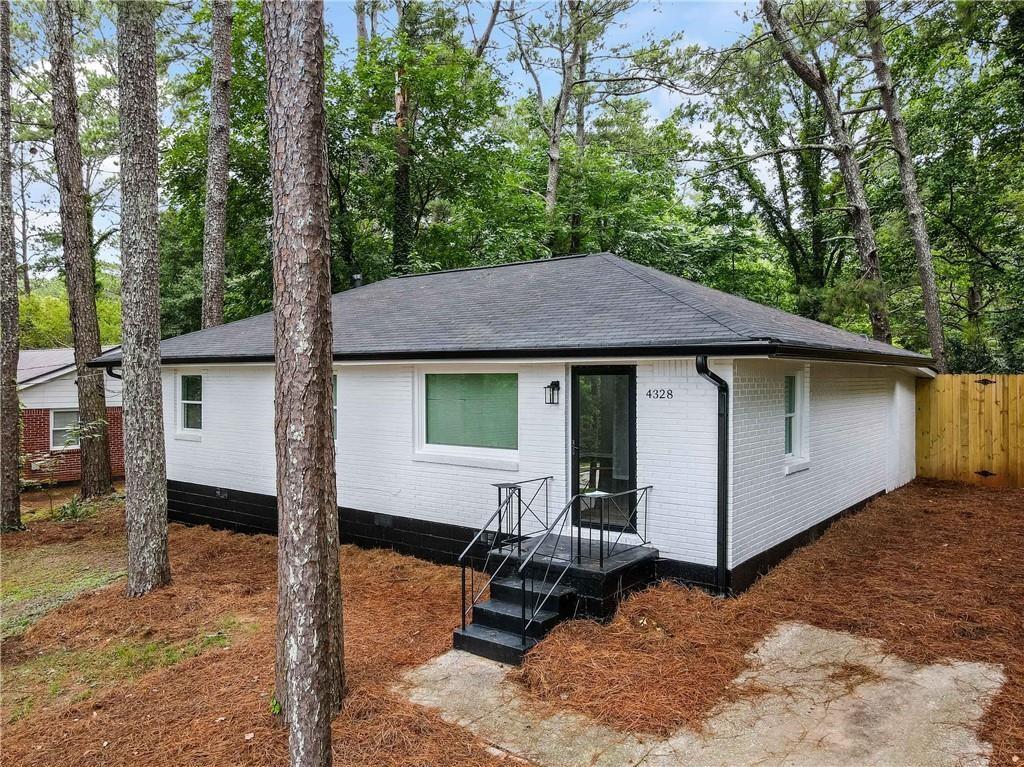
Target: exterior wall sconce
[551,393]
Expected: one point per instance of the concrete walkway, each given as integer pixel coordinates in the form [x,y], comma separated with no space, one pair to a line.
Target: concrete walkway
[830,698]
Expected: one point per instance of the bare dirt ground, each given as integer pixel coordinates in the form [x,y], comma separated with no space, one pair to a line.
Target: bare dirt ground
[184,676]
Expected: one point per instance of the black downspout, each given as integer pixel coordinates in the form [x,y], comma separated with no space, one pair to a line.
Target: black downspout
[112,374]
[722,569]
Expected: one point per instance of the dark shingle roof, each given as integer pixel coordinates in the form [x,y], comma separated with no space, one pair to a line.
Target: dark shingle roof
[596,303]
[37,363]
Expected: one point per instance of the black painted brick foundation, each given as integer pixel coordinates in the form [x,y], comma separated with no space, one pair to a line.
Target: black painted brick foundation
[442,543]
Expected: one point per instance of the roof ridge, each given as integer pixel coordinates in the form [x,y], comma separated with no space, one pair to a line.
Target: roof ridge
[525,262]
[622,264]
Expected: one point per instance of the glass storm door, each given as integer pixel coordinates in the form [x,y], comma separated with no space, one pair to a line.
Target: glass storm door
[604,441]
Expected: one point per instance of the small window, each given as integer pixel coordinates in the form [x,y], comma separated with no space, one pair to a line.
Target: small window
[192,402]
[64,429]
[795,406]
[473,410]
[334,409]
[790,413]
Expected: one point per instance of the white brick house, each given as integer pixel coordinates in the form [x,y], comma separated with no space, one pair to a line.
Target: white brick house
[444,388]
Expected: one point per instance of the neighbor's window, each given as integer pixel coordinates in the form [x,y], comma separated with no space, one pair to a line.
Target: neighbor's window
[63,429]
[192,402]
[473,410]
[795,413]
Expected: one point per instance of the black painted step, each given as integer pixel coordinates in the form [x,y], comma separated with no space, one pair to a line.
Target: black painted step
[508,616]
[487,642]
[562,599]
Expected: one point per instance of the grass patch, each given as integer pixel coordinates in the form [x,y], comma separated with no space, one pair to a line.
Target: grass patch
[38,580]
[75,675]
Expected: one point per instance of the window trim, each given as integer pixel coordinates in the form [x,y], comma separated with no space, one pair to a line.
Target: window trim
[798,459]
[181,431]
[501,459]
[62,447]
[334,405]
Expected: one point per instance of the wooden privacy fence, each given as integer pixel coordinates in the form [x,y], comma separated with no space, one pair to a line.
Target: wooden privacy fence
[971,428]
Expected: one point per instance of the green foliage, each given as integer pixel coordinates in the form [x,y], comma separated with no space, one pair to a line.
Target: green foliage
[637,183]
[74,510]
[45,317]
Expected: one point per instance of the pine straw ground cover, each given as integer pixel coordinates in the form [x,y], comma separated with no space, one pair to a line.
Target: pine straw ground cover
[184,676]
[933,570]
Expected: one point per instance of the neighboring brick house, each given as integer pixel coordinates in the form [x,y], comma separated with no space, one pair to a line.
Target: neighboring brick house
[49,401]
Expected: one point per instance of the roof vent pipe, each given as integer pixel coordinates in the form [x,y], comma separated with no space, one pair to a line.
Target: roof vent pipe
[357,280]
[722,569]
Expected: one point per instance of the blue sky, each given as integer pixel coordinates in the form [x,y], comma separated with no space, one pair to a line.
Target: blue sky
[706,23]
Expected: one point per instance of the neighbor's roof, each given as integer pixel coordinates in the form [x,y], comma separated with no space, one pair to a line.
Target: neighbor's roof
[36,364]
[596,304]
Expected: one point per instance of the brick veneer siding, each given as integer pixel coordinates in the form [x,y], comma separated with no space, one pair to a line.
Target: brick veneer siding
[36,447]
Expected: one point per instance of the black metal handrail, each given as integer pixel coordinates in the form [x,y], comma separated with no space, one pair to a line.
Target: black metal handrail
[506,526]
[635,498]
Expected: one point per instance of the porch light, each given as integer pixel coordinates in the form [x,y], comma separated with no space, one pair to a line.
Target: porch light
[551,393]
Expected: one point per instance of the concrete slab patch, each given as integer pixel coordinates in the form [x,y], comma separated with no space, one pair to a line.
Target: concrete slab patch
[810,697]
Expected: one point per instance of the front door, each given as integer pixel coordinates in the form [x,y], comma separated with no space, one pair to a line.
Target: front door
[604,442]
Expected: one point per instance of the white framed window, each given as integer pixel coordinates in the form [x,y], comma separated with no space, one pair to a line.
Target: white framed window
[64,429]
[472,410]
[792,394]
[796,419]
[190,399]
[468,417]
[334,408]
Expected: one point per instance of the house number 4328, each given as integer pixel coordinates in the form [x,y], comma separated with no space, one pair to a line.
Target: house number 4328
[659,394]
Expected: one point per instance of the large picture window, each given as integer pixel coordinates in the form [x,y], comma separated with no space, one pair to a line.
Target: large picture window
[473,410]
[192,403]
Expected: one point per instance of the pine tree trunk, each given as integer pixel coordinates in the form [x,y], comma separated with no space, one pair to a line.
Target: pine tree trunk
[27,283]
[908,182]
[402,227]
[10,414]
[576,219]
[853,183]
[215,229]
[79,272]
[144,461]
[360,9]
[561,108]
[310,667]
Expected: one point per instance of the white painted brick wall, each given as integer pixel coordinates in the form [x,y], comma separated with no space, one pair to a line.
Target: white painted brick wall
[676,449]
[861,441]
[677,453]
[861,436]
[376,470]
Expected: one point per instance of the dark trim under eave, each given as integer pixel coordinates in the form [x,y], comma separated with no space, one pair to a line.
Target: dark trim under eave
[771,349]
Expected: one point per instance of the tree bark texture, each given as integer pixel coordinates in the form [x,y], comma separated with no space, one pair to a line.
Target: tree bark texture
[310,667]
[853,183]
[576,219]
[562,106]
[485,37]
[79,273]
[27,283]
[402,227]
[10,413]
[360,9]
[218,142]
[908,182]
[144,460]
